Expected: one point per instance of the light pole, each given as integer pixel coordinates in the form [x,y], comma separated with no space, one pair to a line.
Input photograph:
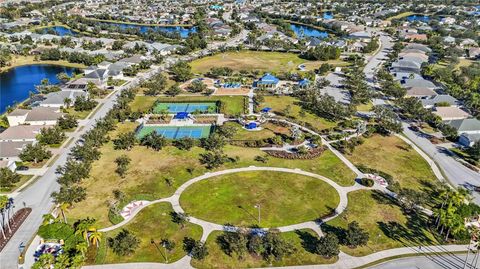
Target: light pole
[164,245]
[257,206]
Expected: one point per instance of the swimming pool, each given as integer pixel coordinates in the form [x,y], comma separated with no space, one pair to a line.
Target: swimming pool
[206,107]
[176,132]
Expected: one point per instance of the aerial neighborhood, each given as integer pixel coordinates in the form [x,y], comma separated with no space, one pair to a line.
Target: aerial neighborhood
[239,134]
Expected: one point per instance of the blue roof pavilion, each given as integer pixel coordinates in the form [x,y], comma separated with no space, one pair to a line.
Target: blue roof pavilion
[268,80]
[181,115]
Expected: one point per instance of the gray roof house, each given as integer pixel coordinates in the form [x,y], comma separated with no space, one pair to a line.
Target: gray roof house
[470,126]
[420,82]
[57,99]
[11,150]
[417,46]
[21,133]
[442,98]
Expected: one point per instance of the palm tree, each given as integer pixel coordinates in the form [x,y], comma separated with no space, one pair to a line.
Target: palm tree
[67,101]
[64,208]
[82,248]
[47,219]
[3,204]
[95,237]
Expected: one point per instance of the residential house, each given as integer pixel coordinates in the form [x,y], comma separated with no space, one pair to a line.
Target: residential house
[469,130]
[440,99]
[21,133]
[35,116]
[419,92]
[448,113]
[9,151]
[57,99]
[10,165]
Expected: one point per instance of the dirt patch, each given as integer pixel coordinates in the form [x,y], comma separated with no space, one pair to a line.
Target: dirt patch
[229,91]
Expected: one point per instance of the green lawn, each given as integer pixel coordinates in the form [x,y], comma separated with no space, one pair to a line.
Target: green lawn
[401,15]
[392,155]
[378,215]
[262,61]
[142,103]
[243,134]
[289,106]
[154,222]
[284,198]
[303,254]
[23,180]
[78,114]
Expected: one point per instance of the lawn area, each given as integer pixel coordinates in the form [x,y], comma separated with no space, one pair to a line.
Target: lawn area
[385,222]
[365,107]
[149,169]
[23,180]
[243,134]
[232,105]
[29,60]
[262,61]
[280,104]
[153,222]
[78,114]
[285,199]
[142,102]
[301,241]
[392,155]
[401,15]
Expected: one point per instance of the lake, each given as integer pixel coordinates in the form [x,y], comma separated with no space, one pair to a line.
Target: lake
[16,83]
[422,18]
[60,30]
[306,31]
[184,31]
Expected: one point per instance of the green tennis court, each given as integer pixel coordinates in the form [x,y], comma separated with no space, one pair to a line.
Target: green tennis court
[204,107]
[176,132]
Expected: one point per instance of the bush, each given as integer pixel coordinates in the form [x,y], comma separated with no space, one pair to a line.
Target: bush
[366,182]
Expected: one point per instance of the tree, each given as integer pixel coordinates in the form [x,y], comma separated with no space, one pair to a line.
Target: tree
[84,104]
[197,86]
[196,249]
[122,165]
[124,243]
[155,85]
[179,218]
[64,208]
[8,178]
[327,246]
[274,247]
[473,151]
[95,237]
[356,236]
[184,143]
[70,194]
[174,90]
[153,140]
[62,261]
[213,142]
[227,131]
[168,245]
[182,71]
[67,122]
[45,261]
[51,136]
[34,153]
[233,242]
[125,141]
[356,84]
[387,120]
[63,77]
[410,198]
[213,159]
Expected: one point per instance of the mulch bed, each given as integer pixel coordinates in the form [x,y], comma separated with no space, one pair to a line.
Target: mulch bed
[312,154]
[15,223]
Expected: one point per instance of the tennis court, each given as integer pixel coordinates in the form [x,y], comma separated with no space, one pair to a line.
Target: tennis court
[176,132]
[210,107]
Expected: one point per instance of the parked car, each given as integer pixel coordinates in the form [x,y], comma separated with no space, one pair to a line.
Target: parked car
[22,168]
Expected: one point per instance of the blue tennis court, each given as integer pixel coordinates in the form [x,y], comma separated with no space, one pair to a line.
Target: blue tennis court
[186,107]
[174,132]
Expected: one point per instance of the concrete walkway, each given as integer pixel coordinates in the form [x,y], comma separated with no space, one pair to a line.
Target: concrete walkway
[208,227]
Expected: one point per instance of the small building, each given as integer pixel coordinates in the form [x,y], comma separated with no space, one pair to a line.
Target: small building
[36,116]
[57,99]
[420,92]
[303,83]
[440,99]
[267,81]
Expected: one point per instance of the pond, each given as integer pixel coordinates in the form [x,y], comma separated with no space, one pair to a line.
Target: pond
[184,31]
[303,31]
[18,82]
[59,30]
[416,17]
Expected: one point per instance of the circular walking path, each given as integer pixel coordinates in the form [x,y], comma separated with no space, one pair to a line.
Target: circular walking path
[208,226]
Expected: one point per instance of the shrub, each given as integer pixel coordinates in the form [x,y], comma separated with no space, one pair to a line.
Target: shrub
[366,182]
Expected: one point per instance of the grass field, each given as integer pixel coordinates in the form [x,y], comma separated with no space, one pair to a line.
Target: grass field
[30,60]
[391,155]
[284,198]
[154,222]
[256,60]
[385,222]
[149,169]
[280,104]
[243,134]
[303,254]
[401,15]
[78,114]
